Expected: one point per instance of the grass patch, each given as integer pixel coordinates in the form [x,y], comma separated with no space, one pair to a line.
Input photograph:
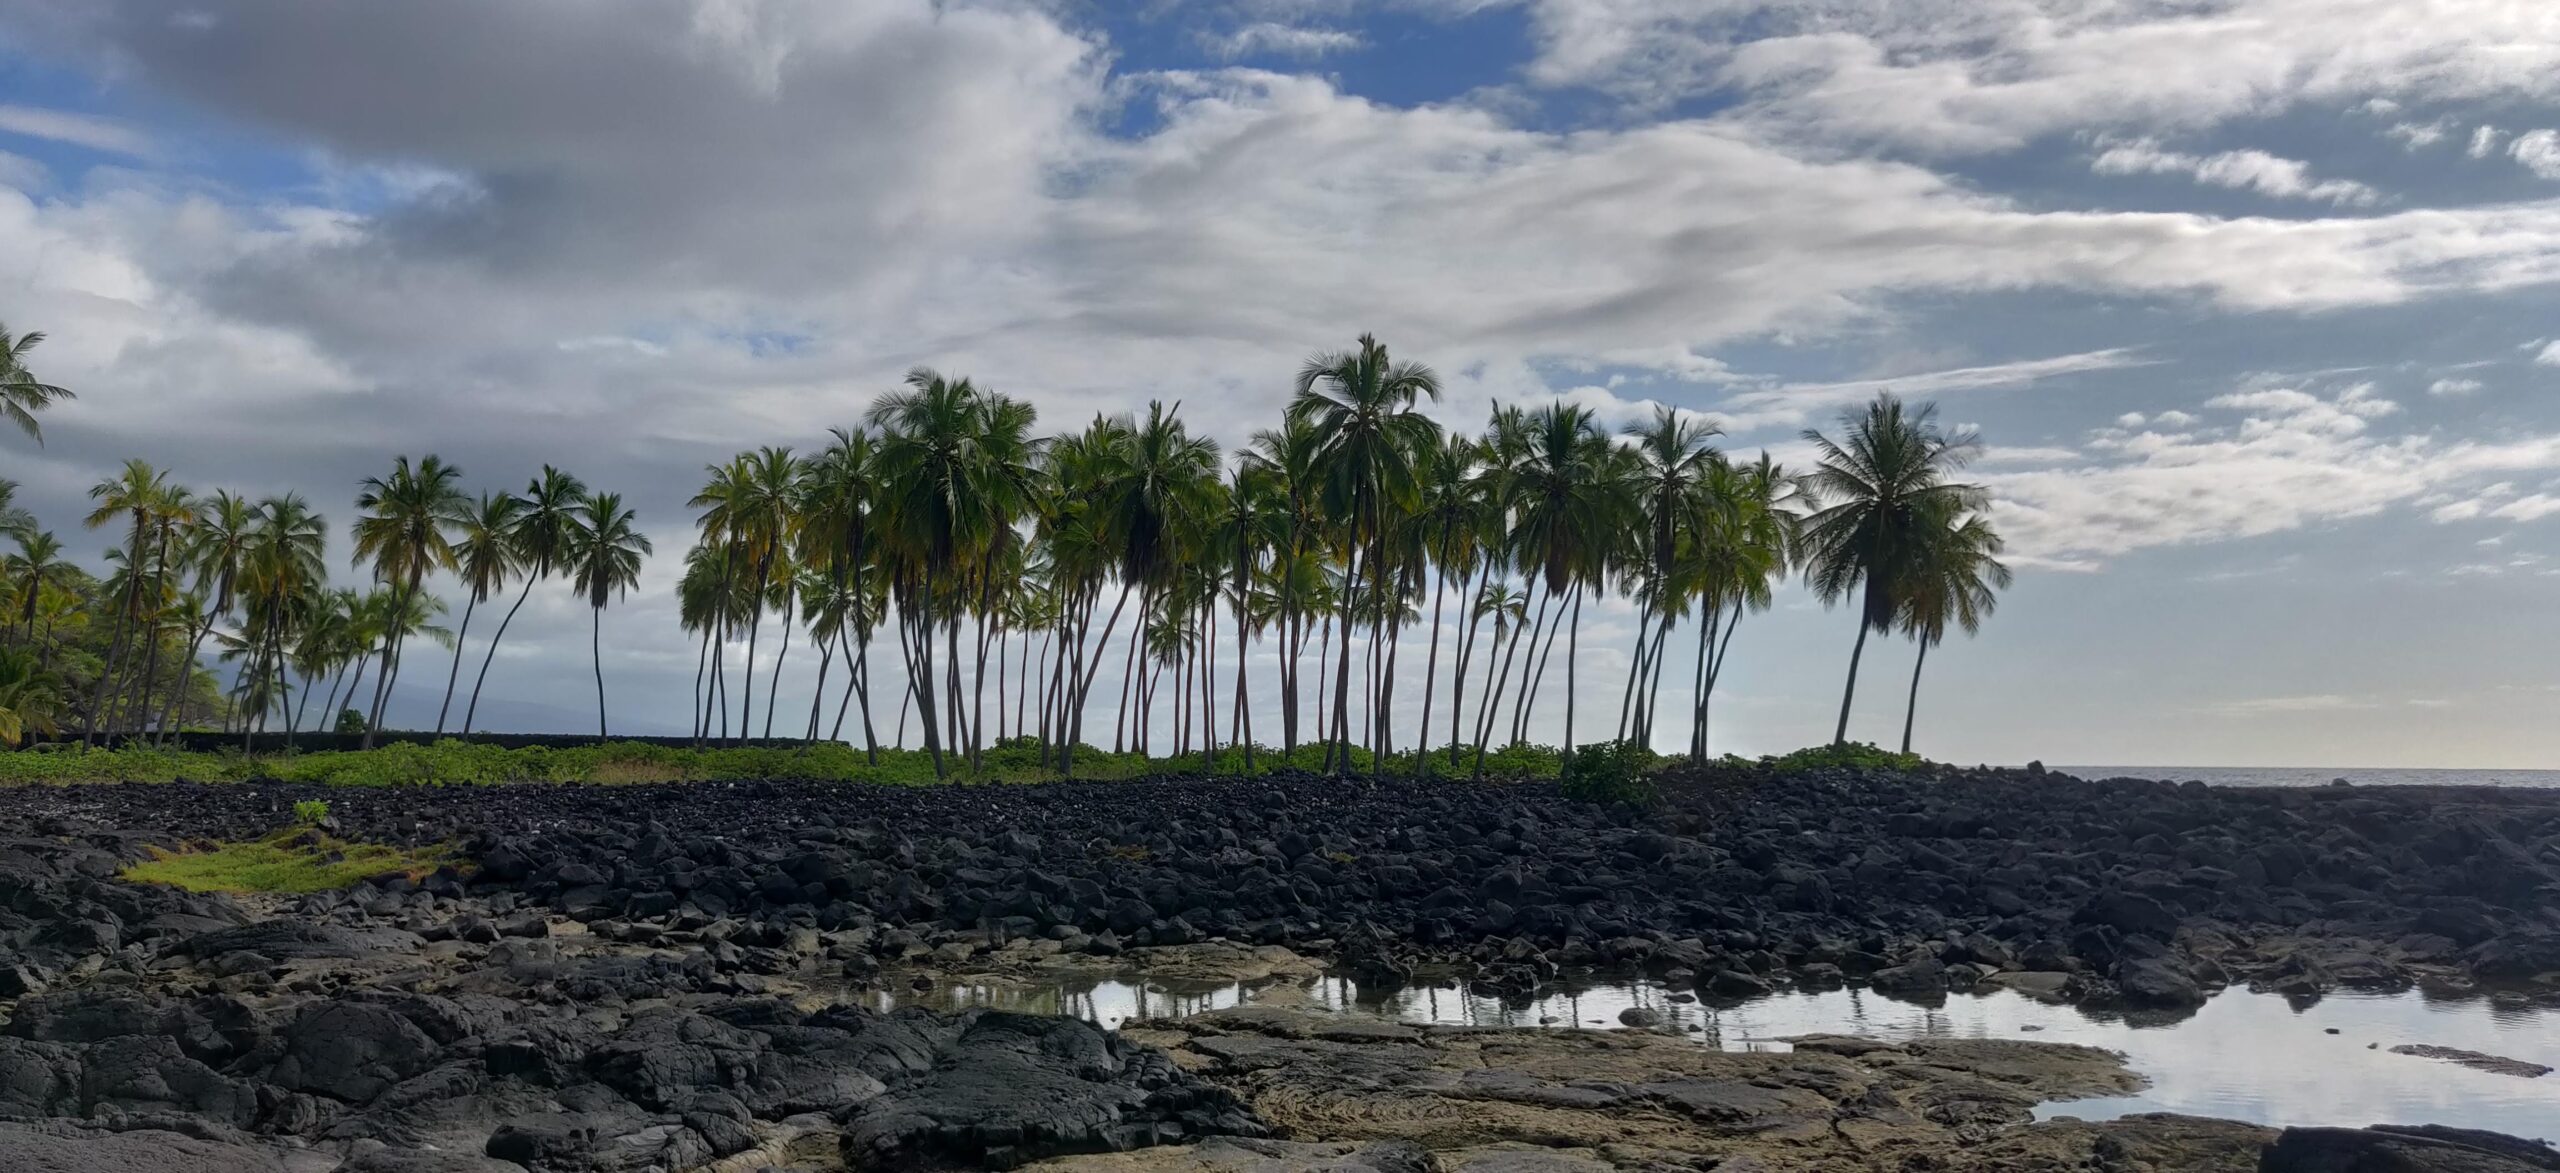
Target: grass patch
[293,860]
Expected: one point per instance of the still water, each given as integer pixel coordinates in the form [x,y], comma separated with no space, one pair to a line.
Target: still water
[2243,1056]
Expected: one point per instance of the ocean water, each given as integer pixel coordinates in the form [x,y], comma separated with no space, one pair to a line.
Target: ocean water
[2242,1056]
[2320,775]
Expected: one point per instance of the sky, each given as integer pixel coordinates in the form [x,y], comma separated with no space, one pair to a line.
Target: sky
[2252,301]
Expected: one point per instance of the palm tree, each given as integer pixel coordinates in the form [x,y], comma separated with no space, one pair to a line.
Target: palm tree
[406,532]
[33,567]
[1450,511]
[217,548]
[1957,577]
[13,520]
[281,578]
[837,529]
[1361,406]
[1292,459]
[604,553]
[1571,503]
[21,394]
[486,550]
[1674,456]
[540,537]
[139,494]
[943,502]
[1880,484]
[1747,534]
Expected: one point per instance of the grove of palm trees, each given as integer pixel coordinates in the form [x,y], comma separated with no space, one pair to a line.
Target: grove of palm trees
[1011,571]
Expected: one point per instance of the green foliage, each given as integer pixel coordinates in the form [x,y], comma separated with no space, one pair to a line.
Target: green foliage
[350,721]
[459,763]
[292,860]
[311,812]
[1610,772]
[1855,755]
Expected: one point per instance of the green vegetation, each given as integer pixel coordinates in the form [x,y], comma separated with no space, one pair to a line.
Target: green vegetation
[458,763]
[1611,772]
[1856,755]
[1127,552]
[293,860]
[311,812]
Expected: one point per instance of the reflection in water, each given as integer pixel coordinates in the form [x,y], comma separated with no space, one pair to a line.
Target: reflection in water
[2244,1056]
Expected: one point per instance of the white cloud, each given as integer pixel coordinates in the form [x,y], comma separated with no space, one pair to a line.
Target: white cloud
[2294,456]
[2419,135]
[2539,151]
[2484,140]
[84,130]
[2247,170]
[1283,40]
[2549,355]
[1959,75]
[2453,386]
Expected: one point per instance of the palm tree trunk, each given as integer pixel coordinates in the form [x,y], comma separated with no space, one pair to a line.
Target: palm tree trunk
[473,709]
[1338,745]
[453,676]
[773,693]
[1538,679]
[390,661]
[862,678]
[595,645]
[921,680]
[1244,631]
[755,626]
[1467,653]
[168,714]
[701,700]
[1490,710]
[1537,624]
[1840,735]
[1572,647]
[1913,707]
[115,645]
[1635,669]
[1653,686]
[818,694]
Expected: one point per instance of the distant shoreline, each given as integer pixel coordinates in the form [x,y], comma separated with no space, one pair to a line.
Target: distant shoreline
[2322,775]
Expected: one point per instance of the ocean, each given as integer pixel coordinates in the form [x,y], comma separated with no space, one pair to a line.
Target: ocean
[2320,775]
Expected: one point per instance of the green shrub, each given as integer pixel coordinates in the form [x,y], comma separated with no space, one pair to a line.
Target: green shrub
[1609,772]
[350,721]
[1856,755]
[311,812]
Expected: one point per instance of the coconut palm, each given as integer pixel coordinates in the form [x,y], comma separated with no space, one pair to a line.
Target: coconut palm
[1880,486]
[486,553]
[30,697]
[22,395]
[1361,406]
[539,537]
[838,537]
[1572,502]
[405,533]
[138,495]
[1956,578]
[36,565]
[280,584]
[14,520]
[217,547]
[1747,533]
[603,557]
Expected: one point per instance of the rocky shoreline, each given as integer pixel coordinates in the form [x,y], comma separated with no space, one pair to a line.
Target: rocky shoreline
[648,977]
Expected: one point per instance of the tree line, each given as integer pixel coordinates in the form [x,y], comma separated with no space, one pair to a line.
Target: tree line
[992,554]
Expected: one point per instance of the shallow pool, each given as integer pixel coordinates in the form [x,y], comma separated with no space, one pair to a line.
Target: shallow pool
[2243,1056]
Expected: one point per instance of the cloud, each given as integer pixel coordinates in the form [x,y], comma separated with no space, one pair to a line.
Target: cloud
[1963,76]
[2483,141]
[2311,703]
[2249,170]
[2419,135]
[1273,39]
[2539,151]
[2549,355]
[2453,386]
[2274,456]
[1789,404]
[80,130]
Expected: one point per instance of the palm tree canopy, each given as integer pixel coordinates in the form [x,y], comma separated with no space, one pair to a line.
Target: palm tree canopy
[1881,484]
[605,549]
[22,395]
[487,545]
[409,519]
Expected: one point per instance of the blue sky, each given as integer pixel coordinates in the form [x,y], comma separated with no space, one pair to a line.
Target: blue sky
[2252,300]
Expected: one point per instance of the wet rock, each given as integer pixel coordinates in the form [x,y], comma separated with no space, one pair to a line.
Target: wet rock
[2475,1060]
[2404,1150]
